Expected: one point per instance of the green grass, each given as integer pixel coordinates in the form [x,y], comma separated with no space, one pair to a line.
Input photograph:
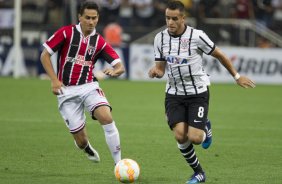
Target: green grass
[35,146]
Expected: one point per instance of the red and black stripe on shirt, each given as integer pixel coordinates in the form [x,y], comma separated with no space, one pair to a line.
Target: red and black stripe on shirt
[77,54]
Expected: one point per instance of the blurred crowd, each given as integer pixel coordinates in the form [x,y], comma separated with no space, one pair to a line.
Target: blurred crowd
[124,21]
[146,13]
[138,17]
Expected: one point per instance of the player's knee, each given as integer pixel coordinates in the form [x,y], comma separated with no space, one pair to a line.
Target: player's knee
[180,137]
[105,120]
[103,115]
[196,138]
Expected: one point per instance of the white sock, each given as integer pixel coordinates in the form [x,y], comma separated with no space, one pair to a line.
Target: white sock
[184,145]
[113,141]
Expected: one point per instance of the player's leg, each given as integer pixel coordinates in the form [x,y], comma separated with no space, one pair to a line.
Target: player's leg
[189,154]
[72,111]
[81,141]
[186,147]
[197,118]
[176,112]
[195,135]
[99,108]
[104,116]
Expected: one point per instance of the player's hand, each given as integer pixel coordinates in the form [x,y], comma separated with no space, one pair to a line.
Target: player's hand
[116,71]
[57,87]
[245,82]
[110,72]
[154,72]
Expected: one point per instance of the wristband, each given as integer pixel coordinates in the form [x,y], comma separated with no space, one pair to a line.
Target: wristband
[237,76]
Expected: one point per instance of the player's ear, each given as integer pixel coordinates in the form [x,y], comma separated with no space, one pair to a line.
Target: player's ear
[79,17]
[183,18]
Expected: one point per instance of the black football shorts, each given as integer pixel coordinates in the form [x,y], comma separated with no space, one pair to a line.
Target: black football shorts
[191,109]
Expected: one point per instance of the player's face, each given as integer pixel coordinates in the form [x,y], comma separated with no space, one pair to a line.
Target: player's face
[88,21]
[174,21]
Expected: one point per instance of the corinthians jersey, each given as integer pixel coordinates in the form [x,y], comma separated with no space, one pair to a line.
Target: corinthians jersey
[183,55]
[77,54]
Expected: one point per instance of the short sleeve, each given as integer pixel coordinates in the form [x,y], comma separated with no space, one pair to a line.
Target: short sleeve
[158,47]
[205,44]
[107,52]
[55,41]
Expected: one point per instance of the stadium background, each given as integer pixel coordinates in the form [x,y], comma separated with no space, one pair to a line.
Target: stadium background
[130,26]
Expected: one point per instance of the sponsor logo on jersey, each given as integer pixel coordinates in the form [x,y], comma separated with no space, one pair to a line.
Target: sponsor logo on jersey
[176,60]
[80,60]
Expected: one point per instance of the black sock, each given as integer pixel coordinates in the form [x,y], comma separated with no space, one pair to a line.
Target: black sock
[190,156]
[88,150]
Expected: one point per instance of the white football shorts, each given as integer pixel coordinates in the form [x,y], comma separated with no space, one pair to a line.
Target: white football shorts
[75,99]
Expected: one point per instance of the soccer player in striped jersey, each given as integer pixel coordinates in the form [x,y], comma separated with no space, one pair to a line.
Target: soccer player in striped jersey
[79,46]
[180,49]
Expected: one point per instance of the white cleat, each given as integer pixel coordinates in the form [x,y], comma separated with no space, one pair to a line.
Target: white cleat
[95,158]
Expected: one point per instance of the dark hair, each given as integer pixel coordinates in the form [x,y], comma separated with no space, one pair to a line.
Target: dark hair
[176,5]
[88,5]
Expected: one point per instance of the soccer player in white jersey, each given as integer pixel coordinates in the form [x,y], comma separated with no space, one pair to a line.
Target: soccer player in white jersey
[79,47]
[180,49]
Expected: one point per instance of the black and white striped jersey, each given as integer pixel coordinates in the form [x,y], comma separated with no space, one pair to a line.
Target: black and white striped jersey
[183,55]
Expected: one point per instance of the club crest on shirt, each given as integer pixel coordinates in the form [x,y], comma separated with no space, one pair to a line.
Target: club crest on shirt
[91,50]
[184,43]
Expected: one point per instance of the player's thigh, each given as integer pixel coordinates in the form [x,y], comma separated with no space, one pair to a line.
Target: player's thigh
[72,111]
[103,114]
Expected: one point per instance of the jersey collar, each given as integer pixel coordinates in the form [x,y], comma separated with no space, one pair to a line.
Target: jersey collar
[78,27]
[175,36]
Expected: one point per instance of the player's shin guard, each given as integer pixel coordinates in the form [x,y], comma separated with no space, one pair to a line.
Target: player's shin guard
[113,140]
[188,152]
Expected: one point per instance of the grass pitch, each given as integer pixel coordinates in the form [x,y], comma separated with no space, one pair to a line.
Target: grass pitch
[35,146]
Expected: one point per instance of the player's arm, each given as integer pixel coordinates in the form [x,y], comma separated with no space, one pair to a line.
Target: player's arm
[243,81]
[158,70]
[110,55]
[116,71]
[47,64]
